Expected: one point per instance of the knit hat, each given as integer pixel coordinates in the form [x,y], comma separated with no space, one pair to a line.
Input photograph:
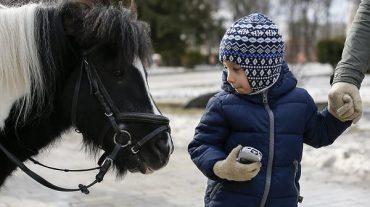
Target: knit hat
[255,43]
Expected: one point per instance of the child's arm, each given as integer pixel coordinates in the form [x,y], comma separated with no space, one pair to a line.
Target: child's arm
[322,128]
[207,147]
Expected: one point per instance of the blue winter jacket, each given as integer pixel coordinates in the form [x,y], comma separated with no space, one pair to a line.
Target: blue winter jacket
[277,123]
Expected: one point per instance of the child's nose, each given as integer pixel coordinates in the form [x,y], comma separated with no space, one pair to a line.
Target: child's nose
[230,78]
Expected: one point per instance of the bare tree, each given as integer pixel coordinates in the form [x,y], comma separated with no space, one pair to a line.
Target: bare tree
[327,5]
[304,17]
[242,8]
[352,8]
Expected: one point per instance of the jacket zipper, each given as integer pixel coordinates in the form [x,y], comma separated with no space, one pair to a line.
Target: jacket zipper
[214,190]
[271,149]
[299,197]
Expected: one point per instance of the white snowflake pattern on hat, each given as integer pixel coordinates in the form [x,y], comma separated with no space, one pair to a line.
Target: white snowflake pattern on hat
[255,43]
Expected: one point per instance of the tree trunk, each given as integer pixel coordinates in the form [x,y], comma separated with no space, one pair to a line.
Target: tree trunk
[352,8]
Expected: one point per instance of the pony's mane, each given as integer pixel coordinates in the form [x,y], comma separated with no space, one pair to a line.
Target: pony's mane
[20,71]
[109,24]
[35,48]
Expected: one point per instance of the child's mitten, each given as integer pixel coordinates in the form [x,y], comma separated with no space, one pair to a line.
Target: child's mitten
[231,169]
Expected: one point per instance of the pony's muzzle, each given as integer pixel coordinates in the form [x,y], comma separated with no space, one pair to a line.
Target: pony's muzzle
[162,148]
[165,145]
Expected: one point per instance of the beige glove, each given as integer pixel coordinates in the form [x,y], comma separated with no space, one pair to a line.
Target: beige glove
[230,169]
[345,102]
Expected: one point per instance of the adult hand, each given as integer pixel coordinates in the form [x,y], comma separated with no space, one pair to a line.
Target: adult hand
[230,169]
[345,102]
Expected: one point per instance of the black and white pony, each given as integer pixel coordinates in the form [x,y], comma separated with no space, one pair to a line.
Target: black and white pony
[82,65]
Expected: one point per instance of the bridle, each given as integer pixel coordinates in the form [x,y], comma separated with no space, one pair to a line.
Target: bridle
[122,138]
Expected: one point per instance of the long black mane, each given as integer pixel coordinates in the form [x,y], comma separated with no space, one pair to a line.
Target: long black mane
[112,25]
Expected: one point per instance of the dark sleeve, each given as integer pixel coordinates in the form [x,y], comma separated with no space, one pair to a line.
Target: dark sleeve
[207,147]
[356,52]
[321,128]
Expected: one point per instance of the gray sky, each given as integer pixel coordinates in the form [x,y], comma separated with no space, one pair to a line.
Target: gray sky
[339,10]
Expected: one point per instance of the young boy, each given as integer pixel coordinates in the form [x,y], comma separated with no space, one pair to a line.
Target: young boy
[260,107]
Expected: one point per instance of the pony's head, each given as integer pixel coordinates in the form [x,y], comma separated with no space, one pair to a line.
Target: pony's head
[107,93]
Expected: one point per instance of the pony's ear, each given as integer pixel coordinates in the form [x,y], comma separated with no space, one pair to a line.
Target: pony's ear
[72,14]
[133,9]
[74,11]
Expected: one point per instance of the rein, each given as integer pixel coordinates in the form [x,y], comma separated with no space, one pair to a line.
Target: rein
[122,138]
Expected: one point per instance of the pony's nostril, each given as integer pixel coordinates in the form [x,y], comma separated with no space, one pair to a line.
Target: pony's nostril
[172,147]
[163,146]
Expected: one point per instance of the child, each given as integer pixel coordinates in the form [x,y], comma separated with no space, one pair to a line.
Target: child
[261,107]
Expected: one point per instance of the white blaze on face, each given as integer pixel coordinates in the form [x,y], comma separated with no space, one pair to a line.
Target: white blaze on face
[140,67]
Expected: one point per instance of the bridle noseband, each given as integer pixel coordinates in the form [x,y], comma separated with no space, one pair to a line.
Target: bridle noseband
[121,138]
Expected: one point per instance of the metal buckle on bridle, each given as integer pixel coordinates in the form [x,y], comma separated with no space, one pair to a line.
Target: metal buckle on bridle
[85,61]
[122,132]
[107,159]
[135,149]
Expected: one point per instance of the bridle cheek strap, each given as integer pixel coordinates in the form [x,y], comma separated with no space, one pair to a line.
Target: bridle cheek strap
[75,98]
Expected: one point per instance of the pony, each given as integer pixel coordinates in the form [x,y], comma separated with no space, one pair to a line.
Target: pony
[79,64]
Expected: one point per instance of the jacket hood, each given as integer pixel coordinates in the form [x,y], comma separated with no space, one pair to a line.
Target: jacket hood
[284,84]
